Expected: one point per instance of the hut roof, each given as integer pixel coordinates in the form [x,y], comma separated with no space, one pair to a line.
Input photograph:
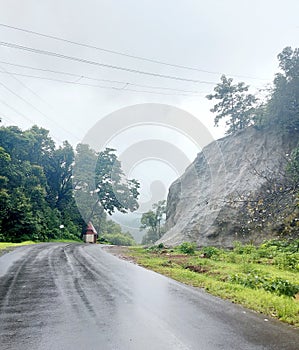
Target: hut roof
[90,227]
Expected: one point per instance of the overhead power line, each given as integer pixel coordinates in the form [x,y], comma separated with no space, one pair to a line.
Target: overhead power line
[124,88]
[32,105]
[104,65]
[16,111]
[80,76]
[29,104]
[123,53]
[4,116]
[24,116]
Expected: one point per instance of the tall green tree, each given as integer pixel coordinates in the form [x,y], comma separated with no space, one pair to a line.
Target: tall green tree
[236,106]
[84,186]
[22,187]
[59,176]
[153,222]
[282,108]
[114,190]
[101,186]
[5,161]
[41,146]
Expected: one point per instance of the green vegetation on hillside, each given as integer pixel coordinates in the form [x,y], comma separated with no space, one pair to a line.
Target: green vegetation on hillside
[111,233]
[280,109]
[264,278]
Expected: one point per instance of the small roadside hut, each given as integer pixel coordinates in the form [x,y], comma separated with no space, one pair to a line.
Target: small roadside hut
[90,235]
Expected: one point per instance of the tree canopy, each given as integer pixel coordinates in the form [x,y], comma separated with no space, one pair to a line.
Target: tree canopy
[235,105]
[37,196]
[282,107]
[101,186]
[279,109]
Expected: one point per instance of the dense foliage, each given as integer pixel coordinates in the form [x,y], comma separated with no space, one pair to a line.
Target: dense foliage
[280,109]
[111,233]
[37,199]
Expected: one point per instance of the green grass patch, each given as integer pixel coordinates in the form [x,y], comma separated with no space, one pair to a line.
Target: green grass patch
[6,245]
[247,275]
[9,245]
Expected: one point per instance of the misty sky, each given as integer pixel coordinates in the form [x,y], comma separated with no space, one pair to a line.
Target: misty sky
[237,38]
[226,36]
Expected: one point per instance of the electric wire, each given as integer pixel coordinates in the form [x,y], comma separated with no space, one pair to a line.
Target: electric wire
[104,65]
[99,86]
[31,105]
[23,84]
[25,117]
[81,76]
[16,111]
[122,53]
[5,117]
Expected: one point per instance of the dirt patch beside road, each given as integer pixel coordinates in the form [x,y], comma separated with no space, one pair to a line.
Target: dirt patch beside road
[121,252]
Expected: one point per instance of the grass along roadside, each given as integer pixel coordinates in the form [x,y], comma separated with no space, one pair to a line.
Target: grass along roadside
[6,247]
[264,279]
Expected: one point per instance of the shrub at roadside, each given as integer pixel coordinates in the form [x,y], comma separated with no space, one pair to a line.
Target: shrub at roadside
[275,285]
[209,252]
[187,248]
[156,248]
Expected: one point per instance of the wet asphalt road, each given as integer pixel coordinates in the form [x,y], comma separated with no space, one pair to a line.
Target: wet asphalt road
[73,296]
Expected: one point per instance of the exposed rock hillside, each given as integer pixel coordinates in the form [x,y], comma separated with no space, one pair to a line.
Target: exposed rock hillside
[199,202]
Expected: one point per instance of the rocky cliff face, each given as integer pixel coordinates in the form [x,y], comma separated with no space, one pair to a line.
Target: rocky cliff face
[199,202]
